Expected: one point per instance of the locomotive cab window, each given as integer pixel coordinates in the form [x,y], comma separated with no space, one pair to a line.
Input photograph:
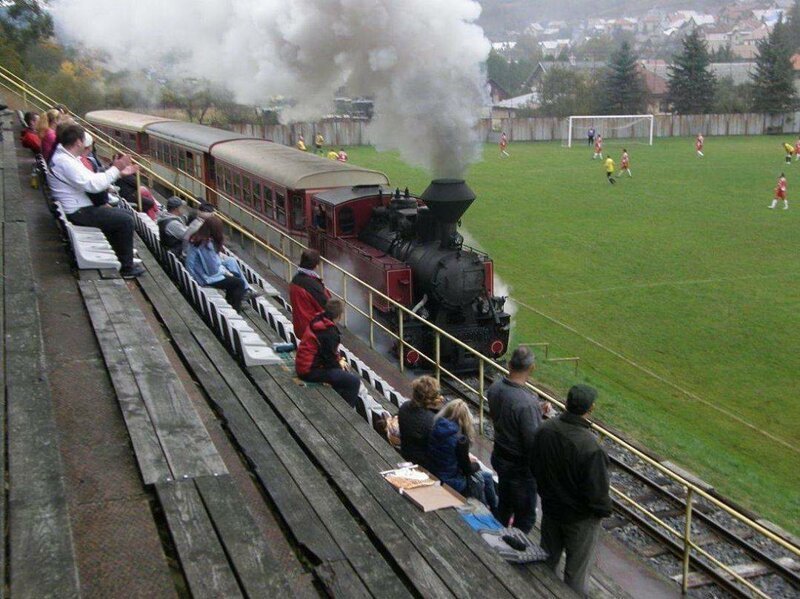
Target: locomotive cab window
[347,221]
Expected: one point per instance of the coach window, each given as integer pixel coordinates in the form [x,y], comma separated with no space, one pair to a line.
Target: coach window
[280,208]
[246,191]
[173,156]
[237,186]
[298,211]
[227,175]
[182,161]
[256,196]
[269,203]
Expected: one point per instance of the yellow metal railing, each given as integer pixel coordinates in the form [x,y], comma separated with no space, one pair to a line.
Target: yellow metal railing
[693,491]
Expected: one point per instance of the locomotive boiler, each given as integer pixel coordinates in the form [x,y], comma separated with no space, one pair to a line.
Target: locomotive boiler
[452,283]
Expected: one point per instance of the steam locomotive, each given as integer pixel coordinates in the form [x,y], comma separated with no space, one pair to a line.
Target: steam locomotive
[406,247]
[414,246]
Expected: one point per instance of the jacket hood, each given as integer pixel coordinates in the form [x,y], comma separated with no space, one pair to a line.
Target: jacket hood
[321,323]
[444,428]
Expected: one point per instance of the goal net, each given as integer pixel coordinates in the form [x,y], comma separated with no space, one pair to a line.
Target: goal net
[636,127]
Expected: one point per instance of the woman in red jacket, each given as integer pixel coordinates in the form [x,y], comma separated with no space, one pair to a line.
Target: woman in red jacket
[307,292]
[29,138]
[318,357]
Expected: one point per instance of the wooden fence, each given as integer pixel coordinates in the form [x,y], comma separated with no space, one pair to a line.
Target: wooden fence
[357,133]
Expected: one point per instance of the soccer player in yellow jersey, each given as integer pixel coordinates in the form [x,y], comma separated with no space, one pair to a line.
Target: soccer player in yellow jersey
[789,148]
[609,164]
[301,144]
[333,155]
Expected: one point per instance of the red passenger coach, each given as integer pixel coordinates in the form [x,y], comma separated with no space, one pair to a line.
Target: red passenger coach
[125,128]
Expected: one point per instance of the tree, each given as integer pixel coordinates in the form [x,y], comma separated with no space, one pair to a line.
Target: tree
[527,48]
[623,90]
[691,84]
[773,78]
[25,22]
[563,92]
[793,25]
[732,98]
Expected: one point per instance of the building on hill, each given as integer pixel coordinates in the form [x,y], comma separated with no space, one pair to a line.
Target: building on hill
[507,109]
[497,92]
[654,74]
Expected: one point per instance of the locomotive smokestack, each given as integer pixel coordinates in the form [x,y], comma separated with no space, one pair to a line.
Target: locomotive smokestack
[448,199]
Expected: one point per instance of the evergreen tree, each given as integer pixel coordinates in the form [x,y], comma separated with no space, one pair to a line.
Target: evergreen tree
[793,24]
[623,90]
[691,84]
[773,79]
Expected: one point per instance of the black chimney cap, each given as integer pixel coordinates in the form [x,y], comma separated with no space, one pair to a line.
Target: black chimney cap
[448,199]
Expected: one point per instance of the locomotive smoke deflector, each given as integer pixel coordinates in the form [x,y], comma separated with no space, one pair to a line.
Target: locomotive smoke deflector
[448,200]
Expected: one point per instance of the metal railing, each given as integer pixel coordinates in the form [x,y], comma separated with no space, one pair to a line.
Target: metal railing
[284,255]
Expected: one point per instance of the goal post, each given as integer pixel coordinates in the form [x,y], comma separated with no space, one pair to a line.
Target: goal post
[613,122]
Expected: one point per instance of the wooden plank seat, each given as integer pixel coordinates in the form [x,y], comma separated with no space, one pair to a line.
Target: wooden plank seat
[340,553]
[238,336]
[168,437]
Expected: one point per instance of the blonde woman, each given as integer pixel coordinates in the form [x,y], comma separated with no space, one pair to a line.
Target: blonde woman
[415,419]
[46,128]
[449,458]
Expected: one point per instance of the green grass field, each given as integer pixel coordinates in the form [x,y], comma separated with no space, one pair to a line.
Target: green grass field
[678,289]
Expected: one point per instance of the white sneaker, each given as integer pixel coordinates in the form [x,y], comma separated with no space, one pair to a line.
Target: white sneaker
[771,207]
[786,207]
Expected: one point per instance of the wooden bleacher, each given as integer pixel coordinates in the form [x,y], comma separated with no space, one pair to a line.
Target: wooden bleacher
[315,460]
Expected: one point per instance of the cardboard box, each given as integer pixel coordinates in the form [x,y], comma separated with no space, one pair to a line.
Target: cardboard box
[428,498]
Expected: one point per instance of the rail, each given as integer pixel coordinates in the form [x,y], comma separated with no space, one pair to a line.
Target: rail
[23,90]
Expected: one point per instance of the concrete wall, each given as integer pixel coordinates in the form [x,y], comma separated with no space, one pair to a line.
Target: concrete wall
[356,133]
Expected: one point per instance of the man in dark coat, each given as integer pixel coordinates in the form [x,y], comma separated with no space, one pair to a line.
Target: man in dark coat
[516,416]
[571,471]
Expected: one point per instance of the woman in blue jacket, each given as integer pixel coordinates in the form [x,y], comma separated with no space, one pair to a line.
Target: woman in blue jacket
[449,458]
[205,266]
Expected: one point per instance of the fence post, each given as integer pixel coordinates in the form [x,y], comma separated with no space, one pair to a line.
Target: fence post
[687,541]
[371,322]
[400,345]
[480,393]
[139,190]
[438,356]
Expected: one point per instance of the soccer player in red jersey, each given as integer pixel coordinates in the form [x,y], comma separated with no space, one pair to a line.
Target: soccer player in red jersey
[780,193]
[598,147]
[797,150]
[625,164]
[698,145]
[503,145]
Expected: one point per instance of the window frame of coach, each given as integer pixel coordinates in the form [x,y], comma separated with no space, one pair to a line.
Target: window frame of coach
[284,208]
[177,157]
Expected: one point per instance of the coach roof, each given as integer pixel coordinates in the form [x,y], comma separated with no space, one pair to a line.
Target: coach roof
[122,119]
[191,135]
[292,168]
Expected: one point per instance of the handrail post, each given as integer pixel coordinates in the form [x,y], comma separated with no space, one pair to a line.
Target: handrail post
[344,297]
[371,322]
[139,190]
[687,541]
[480,394]
[400,345]
[438,355]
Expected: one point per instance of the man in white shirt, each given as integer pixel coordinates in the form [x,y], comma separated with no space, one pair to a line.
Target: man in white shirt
[69,182]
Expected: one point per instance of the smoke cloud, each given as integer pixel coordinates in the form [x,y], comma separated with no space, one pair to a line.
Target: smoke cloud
[419,59]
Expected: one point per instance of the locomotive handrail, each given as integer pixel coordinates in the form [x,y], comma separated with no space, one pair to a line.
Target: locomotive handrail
[483,361]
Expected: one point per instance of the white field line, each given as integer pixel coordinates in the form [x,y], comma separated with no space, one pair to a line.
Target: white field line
[660,378]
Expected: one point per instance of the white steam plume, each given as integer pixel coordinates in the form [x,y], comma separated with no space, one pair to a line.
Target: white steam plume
[420,59]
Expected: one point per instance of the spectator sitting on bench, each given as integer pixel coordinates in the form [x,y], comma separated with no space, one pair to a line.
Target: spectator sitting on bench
[46,128]
[28,137]
[307,293]
[70,181]
[149,204]
[319,359]
[416,417]
[204,264]
[172,226]
[449,458]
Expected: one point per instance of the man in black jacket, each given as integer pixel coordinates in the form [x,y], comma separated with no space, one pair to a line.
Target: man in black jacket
[516,416]
[571,470]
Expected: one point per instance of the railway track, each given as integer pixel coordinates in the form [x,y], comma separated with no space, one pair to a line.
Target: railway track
[768,567]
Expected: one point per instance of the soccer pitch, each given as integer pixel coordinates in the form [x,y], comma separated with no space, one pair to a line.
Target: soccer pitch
[678,289]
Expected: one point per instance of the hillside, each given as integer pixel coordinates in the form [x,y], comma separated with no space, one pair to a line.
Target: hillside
[500,16]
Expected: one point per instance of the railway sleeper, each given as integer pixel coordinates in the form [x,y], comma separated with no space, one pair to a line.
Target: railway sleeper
[747,571]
